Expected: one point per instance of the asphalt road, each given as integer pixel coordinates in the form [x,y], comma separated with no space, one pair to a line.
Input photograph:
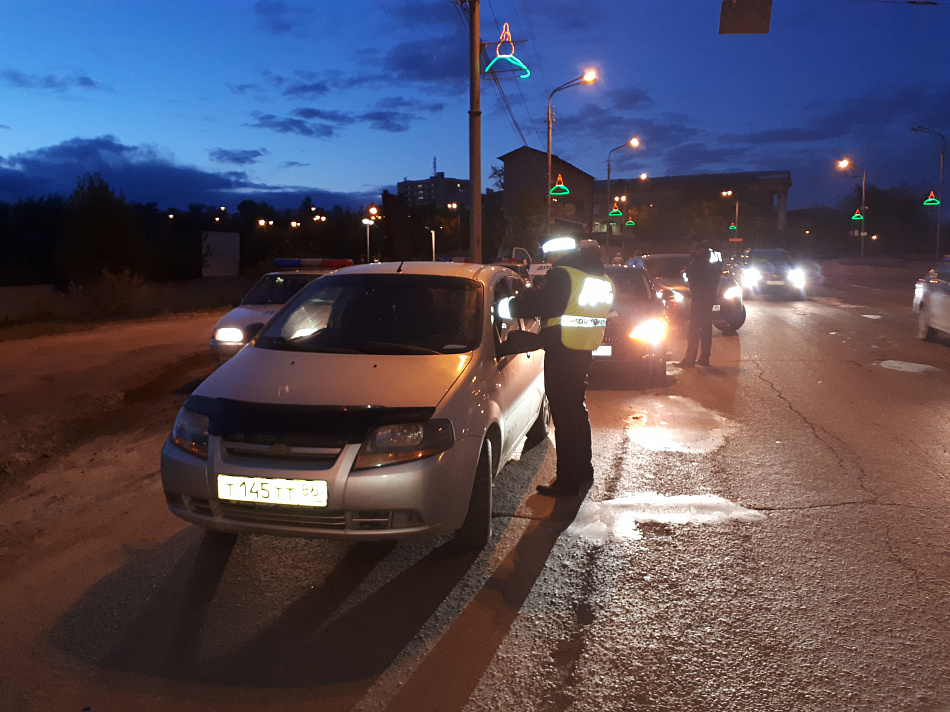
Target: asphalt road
[771,533]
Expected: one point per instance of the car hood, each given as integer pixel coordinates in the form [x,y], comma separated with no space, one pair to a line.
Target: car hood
[249,314]
[675,283]
[637,310]
[260,375]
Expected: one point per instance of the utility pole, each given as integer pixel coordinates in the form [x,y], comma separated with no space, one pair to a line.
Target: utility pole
[475,130]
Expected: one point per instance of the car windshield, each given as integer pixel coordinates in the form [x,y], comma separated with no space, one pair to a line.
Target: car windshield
[631,284]
[667,265]
[776,258]
[380,314]
[277,288]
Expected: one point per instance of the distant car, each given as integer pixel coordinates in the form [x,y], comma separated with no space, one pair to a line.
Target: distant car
[268,294]
[932,301]
[763,272]
[635,343]
[668,271]
[379,403]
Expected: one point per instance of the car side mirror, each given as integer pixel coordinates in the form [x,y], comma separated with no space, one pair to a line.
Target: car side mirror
[252,330]
[519,342]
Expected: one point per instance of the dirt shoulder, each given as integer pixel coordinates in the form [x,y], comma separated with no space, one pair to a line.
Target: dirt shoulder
[60,389]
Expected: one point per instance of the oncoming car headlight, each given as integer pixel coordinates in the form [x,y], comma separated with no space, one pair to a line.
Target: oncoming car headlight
[190,433]
[751,276]
[652,331]
[404,442]
[797,278]
[229,334]
[734,292]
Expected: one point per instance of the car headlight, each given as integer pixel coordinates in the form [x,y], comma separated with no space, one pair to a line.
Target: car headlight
[797,278]
[229,334]
[190,433]
[733,292]
[652,331]
[403,442]
[751,276]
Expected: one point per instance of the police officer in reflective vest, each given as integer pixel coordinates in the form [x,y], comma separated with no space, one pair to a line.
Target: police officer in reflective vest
[572,301]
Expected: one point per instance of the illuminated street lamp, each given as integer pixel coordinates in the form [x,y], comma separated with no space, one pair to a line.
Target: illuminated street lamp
[633,143]
[843,164]
[943,153]
[735,224]
[587,78]
[367,222]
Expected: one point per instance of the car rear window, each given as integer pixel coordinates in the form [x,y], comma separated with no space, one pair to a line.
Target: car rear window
[277,288]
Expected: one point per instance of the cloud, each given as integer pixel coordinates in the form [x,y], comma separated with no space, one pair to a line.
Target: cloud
[143,174]
[323,123]
[293,126]
[236,156]
[19,80]
[311,89]
[336,117]
[280,18]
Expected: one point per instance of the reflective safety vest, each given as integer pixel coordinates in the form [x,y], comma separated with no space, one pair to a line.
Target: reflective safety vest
[585,319]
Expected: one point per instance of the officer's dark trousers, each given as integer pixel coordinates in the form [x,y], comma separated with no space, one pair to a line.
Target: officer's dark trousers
[565,380]
[699,336]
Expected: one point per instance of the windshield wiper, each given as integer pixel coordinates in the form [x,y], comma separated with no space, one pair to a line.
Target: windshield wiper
[388,347]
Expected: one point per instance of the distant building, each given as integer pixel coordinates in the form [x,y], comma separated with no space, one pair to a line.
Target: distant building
[764,192]
[437,191]
[525,194]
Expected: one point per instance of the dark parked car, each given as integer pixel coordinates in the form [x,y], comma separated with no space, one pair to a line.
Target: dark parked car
[668,271]
[770,272]
[635,343]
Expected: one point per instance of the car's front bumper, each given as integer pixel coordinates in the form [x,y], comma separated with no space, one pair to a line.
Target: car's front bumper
[419,498]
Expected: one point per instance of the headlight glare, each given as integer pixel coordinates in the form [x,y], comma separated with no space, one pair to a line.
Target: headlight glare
[190,433]
[404,442]
[751,276]
[652,331]
[733,292]
[797,278]
[229,334]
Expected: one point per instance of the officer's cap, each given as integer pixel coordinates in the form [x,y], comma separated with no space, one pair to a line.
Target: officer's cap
[559,244]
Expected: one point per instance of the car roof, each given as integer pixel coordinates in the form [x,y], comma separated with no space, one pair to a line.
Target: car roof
[466,270]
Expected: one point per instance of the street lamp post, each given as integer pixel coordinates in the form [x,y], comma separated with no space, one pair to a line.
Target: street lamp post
[943,153]
[633,143]
[728,194]
[367,222]
[842,164]
[586,78]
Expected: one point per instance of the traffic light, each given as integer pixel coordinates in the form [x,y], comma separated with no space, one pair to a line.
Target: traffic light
[745,17]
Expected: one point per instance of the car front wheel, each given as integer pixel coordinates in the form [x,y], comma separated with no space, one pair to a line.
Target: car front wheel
[475,531]
[730,327]
[924,330]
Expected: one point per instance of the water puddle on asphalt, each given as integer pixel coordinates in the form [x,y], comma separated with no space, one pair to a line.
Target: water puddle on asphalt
[908,367]
[676,424]
[624,517]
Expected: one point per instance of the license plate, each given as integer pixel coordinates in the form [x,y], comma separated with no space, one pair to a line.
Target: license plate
[603,350]
[774,282]
[716,307]
[304,493]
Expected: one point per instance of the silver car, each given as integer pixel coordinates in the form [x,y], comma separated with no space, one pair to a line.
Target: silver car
[932,301]
[379,403]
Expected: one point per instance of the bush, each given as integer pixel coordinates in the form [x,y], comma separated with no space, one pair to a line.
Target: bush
[112,294]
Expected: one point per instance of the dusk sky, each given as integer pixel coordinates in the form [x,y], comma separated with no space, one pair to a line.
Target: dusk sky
[213,101]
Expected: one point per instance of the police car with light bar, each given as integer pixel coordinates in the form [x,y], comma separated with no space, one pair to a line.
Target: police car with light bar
[269,294]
